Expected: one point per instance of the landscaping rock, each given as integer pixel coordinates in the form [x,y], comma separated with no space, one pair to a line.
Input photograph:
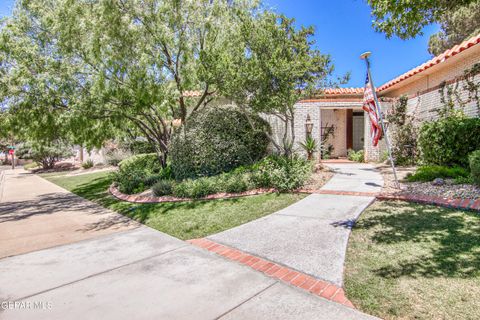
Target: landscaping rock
[438,182]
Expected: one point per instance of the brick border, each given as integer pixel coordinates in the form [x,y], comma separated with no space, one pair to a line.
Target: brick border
[455,203]
[135,198]
[289,276]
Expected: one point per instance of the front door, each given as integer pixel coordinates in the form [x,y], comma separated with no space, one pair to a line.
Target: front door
[358,131]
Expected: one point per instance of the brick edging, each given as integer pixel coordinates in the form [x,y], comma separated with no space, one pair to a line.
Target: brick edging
[289,276]
[135,198]
[455,203]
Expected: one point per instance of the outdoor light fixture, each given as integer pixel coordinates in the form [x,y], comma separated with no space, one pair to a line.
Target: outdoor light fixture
[308,126]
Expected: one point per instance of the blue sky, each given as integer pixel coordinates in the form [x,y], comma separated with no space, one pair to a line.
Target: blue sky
[343,30]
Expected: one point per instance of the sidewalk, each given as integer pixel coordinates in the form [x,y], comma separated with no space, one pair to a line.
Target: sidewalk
[311,235]
[37,214]
[136,273]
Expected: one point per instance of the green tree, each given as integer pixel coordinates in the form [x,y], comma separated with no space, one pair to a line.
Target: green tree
[45,154]
[406,18]
[112,64]
[272,65]
[456,27]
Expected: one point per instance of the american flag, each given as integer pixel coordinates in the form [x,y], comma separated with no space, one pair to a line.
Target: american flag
[371,108]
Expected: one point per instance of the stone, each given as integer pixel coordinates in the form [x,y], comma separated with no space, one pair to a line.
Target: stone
[438,182]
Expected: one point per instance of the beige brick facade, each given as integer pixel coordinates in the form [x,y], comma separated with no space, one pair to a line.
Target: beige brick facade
[421,85]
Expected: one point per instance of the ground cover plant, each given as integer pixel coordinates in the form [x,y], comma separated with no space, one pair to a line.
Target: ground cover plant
[430,173]
[186,220]
[410,261]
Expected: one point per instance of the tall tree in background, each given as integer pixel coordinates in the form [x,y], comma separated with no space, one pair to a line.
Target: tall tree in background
[406,18]
[456,27]
[271,66]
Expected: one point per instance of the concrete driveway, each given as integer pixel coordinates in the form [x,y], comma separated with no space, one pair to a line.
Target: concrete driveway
[125,271]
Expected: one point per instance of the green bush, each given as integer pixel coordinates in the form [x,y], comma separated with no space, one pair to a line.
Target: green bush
[163,188]
[139,172]
[147,162]
[449,141]
[130,182]
[429,173]
[474,160]
[357,156]
[215,141]
[197,188]
[281,173]
[88,164]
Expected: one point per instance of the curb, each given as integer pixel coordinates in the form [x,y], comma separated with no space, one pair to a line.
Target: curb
[289,276]
[454,203]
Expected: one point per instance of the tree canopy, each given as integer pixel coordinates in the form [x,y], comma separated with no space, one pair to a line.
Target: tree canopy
[406,18]
[456,27]
[86,70]
[273,65]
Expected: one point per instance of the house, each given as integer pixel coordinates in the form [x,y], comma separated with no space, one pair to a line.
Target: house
[452,76]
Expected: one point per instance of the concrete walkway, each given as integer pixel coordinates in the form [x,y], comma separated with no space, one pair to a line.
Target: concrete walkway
[36,214]
[130,273]
[311,235]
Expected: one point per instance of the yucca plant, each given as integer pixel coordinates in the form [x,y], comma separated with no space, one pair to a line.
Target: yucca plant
[310,146]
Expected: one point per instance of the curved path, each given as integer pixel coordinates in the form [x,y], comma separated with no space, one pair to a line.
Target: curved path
[311,235]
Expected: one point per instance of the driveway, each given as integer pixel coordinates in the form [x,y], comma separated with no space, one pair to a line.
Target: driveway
[104,267]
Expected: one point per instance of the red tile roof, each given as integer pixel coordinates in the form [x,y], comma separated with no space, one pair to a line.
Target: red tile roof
[343,91]
[192,93]
[435,61]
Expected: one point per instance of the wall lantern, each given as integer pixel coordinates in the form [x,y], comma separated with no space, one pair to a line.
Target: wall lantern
[308,126]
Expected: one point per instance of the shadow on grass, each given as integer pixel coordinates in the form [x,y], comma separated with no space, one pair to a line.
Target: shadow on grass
[449,239]
[97,190]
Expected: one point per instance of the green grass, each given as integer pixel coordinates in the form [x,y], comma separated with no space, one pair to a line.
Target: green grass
[186,220]
[409,261]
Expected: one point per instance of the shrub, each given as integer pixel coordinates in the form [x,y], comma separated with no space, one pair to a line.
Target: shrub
[163,188]
[430,173]
[130,182]
[450,140]
[197,188]
[215,141]
[88,164]
[281,173]
[147,162]
[357,156]
[474,160]
[115,156]
[140,171]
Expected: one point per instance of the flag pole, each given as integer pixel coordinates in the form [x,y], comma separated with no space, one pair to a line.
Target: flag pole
[365,56]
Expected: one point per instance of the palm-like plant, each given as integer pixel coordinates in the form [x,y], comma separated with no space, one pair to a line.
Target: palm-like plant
[310,146]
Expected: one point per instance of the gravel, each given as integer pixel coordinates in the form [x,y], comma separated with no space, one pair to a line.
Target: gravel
[448,190]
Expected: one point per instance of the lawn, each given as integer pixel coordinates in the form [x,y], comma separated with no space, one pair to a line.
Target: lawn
[186,220]
[410,261]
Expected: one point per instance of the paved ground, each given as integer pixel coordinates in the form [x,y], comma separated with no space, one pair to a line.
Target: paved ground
[311,235]
[36,214]
[128,273]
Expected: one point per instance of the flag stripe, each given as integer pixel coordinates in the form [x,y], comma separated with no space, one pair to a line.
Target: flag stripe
[371,108]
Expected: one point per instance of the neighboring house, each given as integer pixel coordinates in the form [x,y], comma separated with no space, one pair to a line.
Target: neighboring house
[342,107]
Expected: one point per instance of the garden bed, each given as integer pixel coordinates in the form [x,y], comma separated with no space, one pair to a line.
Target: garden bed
[449,190]
[319,178]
